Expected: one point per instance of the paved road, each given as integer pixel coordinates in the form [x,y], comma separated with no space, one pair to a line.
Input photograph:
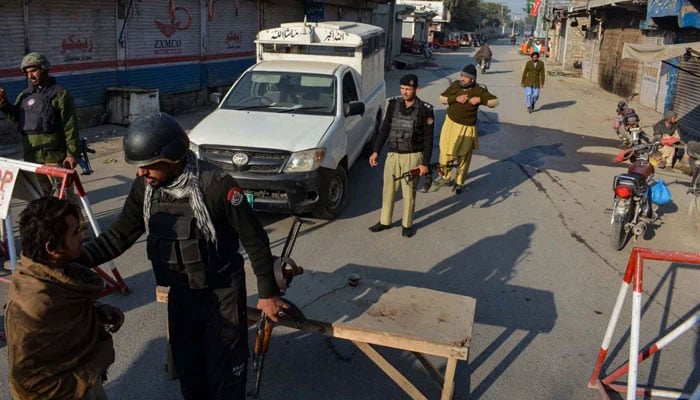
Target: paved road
[528,240]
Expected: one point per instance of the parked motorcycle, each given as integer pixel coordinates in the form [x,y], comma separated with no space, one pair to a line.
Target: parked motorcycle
[633,211]
[625,118]
[415,47]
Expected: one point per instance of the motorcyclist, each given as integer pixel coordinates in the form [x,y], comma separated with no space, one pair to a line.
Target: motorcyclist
[483,56]
[512,40]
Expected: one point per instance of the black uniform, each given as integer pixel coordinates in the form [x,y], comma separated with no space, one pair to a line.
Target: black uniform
[422,136]
[207,300]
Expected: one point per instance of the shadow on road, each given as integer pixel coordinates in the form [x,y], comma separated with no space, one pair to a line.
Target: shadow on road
[557,105]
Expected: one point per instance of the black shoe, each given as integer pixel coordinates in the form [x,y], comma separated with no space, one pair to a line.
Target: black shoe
[458,189]
[426,186]
[407,232]
[529,110]
[378,227]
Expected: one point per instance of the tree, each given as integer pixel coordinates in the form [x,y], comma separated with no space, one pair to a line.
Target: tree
[464,13]
[494,14]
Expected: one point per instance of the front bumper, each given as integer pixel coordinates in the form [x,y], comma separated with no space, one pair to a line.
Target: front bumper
[295,193]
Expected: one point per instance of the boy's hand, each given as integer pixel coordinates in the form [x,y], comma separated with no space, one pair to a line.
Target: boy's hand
[110,315]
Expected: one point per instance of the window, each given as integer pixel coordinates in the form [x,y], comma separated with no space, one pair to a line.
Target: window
[349,90]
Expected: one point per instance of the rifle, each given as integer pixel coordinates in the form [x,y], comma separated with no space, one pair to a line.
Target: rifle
[285,269]
[413,173]
[84,160]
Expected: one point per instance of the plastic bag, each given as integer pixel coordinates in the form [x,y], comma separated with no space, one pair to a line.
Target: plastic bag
[660,193]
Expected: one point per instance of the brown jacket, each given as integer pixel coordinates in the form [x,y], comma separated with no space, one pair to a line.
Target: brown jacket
[465,114]
[533,76]
[56,345]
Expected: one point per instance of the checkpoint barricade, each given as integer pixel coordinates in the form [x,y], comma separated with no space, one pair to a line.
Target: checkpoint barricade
[18,180]
[634,276]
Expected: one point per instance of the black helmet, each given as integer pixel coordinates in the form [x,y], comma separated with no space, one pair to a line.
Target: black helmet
[631,118]
[153,138]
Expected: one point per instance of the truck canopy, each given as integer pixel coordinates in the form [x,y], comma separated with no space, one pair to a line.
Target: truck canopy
[358,45]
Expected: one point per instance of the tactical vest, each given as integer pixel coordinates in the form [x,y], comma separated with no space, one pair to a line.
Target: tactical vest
[403,134]
[36,115]
[180,254]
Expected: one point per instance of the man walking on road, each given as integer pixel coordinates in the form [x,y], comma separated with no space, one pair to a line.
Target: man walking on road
[194,215]
[408,126]
[459,136]
[532,80]
[47,120]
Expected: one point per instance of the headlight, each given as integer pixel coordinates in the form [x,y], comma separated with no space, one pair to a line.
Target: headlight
[194,148]
[304,161]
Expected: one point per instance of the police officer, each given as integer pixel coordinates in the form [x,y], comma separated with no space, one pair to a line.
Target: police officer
[408,126]
[46,115]
[194,215]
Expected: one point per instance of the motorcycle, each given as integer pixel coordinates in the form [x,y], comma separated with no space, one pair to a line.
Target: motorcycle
[625,116]
[414,47]
[633,211]
[484,65]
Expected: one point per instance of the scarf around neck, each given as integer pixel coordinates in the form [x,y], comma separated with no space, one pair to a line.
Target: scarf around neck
[185,186]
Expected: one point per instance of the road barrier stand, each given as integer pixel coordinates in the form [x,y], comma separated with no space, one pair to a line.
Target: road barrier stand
[19,178]
[633,275]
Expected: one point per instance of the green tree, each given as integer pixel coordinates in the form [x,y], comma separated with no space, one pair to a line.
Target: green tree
[464,13]
[494,14]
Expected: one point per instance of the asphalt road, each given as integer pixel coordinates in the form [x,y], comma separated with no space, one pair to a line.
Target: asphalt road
[528,240]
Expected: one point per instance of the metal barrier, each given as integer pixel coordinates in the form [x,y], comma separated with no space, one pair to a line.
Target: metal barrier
[69,178]
[633,275]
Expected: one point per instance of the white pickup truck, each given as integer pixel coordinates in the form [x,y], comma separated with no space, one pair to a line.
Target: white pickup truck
[292,125]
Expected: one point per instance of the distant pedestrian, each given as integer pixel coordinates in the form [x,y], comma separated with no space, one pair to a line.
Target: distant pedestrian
[408,127]
[47,119]
[459,136]
[532,80]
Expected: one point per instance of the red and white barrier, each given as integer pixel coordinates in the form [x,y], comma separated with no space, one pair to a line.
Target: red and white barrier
[633,275]
[11,175]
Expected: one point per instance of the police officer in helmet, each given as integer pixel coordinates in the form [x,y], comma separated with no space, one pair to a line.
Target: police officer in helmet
[46,115]
[194,215]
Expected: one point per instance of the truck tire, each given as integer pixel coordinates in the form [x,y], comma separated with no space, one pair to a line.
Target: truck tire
[334,194]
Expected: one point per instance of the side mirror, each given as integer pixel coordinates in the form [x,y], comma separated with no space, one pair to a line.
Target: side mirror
[215,97]
[354,108]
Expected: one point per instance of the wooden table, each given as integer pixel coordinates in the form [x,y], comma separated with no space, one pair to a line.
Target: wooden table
[376,313]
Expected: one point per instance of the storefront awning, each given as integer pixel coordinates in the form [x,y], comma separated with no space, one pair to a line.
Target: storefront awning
[653,53]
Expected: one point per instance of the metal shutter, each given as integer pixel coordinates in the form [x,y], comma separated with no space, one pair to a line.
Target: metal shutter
[78,40]
[687,101]
[230,40]
[161,52]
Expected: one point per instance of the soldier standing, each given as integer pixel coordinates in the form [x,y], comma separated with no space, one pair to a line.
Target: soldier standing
[47,120]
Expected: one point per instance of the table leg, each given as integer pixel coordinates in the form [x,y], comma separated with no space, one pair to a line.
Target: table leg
[389,369]
[430,368]
[449,387]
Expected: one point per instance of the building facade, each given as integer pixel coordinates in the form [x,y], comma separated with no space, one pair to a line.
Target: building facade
[182,48]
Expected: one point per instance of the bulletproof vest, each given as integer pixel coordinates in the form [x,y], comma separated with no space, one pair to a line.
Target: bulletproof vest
[402,137]
[36,113]
[180,254]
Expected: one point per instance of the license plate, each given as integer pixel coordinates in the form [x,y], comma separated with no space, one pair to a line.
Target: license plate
[250,198]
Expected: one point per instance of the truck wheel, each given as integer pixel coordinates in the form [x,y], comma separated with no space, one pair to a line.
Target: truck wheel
[334,194]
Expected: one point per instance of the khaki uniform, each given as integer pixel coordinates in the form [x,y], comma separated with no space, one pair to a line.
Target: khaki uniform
[396,164]
[459,136]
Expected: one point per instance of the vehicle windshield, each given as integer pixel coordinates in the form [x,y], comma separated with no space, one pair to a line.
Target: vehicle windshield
[289,92]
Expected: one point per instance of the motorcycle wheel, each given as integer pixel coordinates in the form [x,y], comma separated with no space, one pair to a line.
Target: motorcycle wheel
[618,235]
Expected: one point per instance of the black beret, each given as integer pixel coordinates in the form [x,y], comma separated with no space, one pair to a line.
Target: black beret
[409,80]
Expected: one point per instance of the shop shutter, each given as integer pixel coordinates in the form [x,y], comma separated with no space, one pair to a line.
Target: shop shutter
[687,101]
[163,52]
[78,39]
[12,49]
[231,40]
[617,75]
[277,12]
